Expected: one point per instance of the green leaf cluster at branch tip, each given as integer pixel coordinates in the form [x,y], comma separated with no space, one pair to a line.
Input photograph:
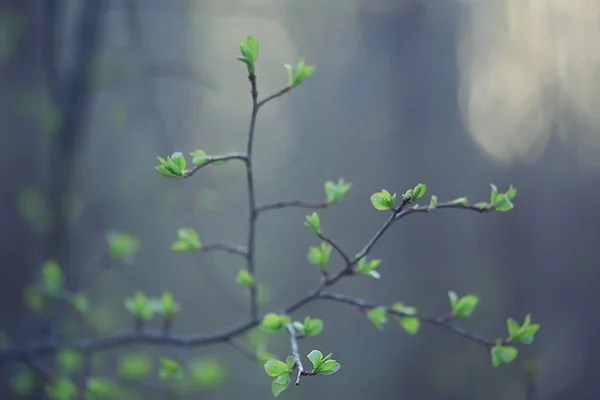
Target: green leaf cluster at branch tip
[336,191]
[189,240]
[410,324]
[319,256]
[273,323]
[384,200]
[464,306]
[170,370]
[144,308]
[281,372]
[412,195]
[249,49]
[300,74]
[365,267]
[173,166]
[323,365]
[310,327]
[502,201]
[523,334]
[313,222]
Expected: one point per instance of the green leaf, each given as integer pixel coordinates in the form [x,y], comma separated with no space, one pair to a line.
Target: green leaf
[329,367]
[310,327]
[139,306]
[189,240]
[513,327]
[410,324]
[290,362]
[461,201]
[493,193]
[383,200]
[123,246]
[273,323]
[170,370]
[336,191]
[365,267]
[319,256]
[275,368]
[33,296]
[23,382]
[418,192]
[179,160]
[244,278]
[52,277]
[103,389]
[481,205]
[62,389]
[503,203]
[280,384]
[302,73]
[511,192]
[250,45]
[465,306]
[503,354]
[69,361]
[433,203]
[315,358]
[378,316]
[453,298]
[199,157]
[135,366]
[208,373]
[79,302]
[168,306]
[313,222]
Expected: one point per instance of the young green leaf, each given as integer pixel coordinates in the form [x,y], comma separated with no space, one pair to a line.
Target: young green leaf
[336,191]
[199,157]
[365,267]
[313,222]
[173,166]
[465,306]
[79,302]
[378,316]
[188,240]
[502,354]
[244,278]
[383,200]
[52,277]
[273,323]
[461,201]
[410,324]
[310,327]
[62,389]
[433,203]
[481,205]
[170,370]
[168,306]
[123,246]
[275,368]
[280,384]
[319,256]
[140,306]
[302,73]
[135,367]
[69,361]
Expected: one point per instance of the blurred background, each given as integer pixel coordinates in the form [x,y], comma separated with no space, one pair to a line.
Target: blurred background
[456,94]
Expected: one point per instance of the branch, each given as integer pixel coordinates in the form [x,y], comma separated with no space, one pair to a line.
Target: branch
[442,321]
[214,159]
[295,352]
[341,252]
[290,203]
[227,248]
[448,205]
[273,96]
[252,197]
[237,344]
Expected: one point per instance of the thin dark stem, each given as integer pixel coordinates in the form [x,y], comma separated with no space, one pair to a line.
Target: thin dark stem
[295,352]
[237,344]
[442,321]
[273,96]
[227,248]
[252,197]
[85,374]
[341,252]
[214,159]
[290,203]
[449,205]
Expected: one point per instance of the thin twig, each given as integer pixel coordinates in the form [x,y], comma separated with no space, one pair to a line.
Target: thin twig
[273,96]
[252,197]
[214,159]
[448,205]
[237,344]
[227,248]
[442,321]
[337,248]
[290,203]
[295,352]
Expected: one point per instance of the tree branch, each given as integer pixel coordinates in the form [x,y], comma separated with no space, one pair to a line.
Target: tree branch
[273,96]
[290,203]
[444,321]
[214,159]
[295,352]
[227,248]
